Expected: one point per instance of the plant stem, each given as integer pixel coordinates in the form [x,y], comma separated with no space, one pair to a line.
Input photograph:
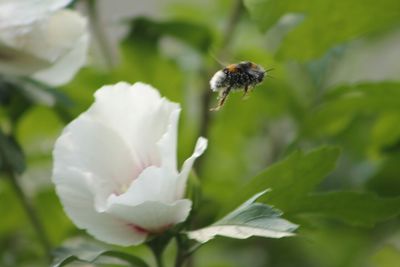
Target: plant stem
[222,53]
[157,245]
[159,260]
[193,249]
[234,19]
[205,118]
[184,251]
[157,256]
[30,212]
[99,34]
[180,254]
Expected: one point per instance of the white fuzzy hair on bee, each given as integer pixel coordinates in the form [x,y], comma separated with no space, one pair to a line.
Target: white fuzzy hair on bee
[215,82]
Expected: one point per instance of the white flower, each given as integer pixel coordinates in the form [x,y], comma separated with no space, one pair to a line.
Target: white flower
[115,166]
[40,39]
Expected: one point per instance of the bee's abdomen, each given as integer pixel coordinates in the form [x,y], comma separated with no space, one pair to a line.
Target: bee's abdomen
[239,80]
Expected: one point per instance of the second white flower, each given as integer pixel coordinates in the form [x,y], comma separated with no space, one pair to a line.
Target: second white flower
[115,166]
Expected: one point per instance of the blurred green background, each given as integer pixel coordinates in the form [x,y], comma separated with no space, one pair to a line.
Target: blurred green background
[335,84]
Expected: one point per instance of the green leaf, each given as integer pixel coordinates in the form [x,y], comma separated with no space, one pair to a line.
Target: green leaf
[40,93]
[385,133]
[12,100]
[11,154]
[23,93]
[388,256]
[326,23]
[90,254]
[292,178]
[385,181]
[346,102]
[250,219]
[267,12]
[38,139]
[195,35]
[355,208]
[11,210]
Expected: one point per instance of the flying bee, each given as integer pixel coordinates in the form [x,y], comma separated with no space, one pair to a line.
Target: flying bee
[235,77]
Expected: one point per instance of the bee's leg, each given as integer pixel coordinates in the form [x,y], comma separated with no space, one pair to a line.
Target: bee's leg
[246,90]
[222,98]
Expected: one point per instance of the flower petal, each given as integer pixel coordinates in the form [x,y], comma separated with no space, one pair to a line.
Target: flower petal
[201,146]
[77,200]
[76,38]
[168,143]
[153,216]
[151,202]
[58,38]
[138,114]
[25,12]
[92,147]
[153,184]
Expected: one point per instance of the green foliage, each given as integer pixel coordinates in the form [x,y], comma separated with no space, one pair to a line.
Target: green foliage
[388,256]
[325,23]
[250,219]
[385,182]
[89,253]
[12,213]
[12,158]
[354,208]
[193,34]
[293,178]
[343,104]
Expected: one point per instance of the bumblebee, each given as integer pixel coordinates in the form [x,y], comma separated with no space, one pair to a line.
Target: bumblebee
[235,77]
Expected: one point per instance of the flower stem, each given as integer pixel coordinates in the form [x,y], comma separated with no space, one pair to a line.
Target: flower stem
[100,35]
[234,18]
[236,13]
[157,256]
[193,249]
[180,253]
[233,21]
[159,261]
[30,212]
[157,245]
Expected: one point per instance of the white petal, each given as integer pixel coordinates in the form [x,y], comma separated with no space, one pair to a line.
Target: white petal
[151,202]
[78,203]
[138,114]
[153,216]
[153,184]
[94,148]
[74,58]
[168,143]
[24,12]
[16,62]
[201,146]
[37,46]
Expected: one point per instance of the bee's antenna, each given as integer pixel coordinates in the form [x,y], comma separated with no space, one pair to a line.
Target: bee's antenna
[267,72]
[217,60]
[269,69]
